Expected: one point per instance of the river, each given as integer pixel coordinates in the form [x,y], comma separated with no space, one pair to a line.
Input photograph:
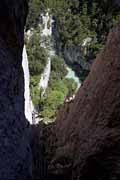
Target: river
[71,75]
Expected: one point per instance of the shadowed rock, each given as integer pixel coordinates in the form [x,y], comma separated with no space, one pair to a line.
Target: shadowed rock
[88,130]
[15,153]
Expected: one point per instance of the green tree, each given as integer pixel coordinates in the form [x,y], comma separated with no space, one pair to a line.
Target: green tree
[37,55]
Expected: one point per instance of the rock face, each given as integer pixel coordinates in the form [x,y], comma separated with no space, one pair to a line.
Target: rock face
[87,142]
[15,153]
[46,33]
[28,101]
[74,57]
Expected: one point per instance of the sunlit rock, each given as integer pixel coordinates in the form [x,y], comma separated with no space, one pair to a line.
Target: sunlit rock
[28,102]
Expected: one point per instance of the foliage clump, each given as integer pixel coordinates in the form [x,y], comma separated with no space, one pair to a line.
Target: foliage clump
[59,87]
[75,20]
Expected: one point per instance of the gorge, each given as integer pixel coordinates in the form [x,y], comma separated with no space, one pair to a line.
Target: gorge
[50,68]
[84,141]
[47,32]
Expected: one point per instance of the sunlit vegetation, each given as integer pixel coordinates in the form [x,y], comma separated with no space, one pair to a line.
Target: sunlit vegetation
[59,88]
[75,20]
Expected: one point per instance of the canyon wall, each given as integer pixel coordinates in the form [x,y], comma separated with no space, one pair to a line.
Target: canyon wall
[15,152]
[87,131]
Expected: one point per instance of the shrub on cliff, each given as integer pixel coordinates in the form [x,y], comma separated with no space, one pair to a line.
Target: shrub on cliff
[59,88]
[37,55]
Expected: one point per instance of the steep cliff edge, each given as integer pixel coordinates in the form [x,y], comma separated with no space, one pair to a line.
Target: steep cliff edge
[15,153]
[87,143]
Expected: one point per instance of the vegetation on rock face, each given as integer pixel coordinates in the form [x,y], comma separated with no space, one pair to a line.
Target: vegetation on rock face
[59,87]
[75,20]
[79,19]
[37,56]
[34,12]
[34,87]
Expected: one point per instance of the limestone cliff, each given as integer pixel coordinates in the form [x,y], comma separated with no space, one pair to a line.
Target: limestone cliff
[28,101]
[15,153]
